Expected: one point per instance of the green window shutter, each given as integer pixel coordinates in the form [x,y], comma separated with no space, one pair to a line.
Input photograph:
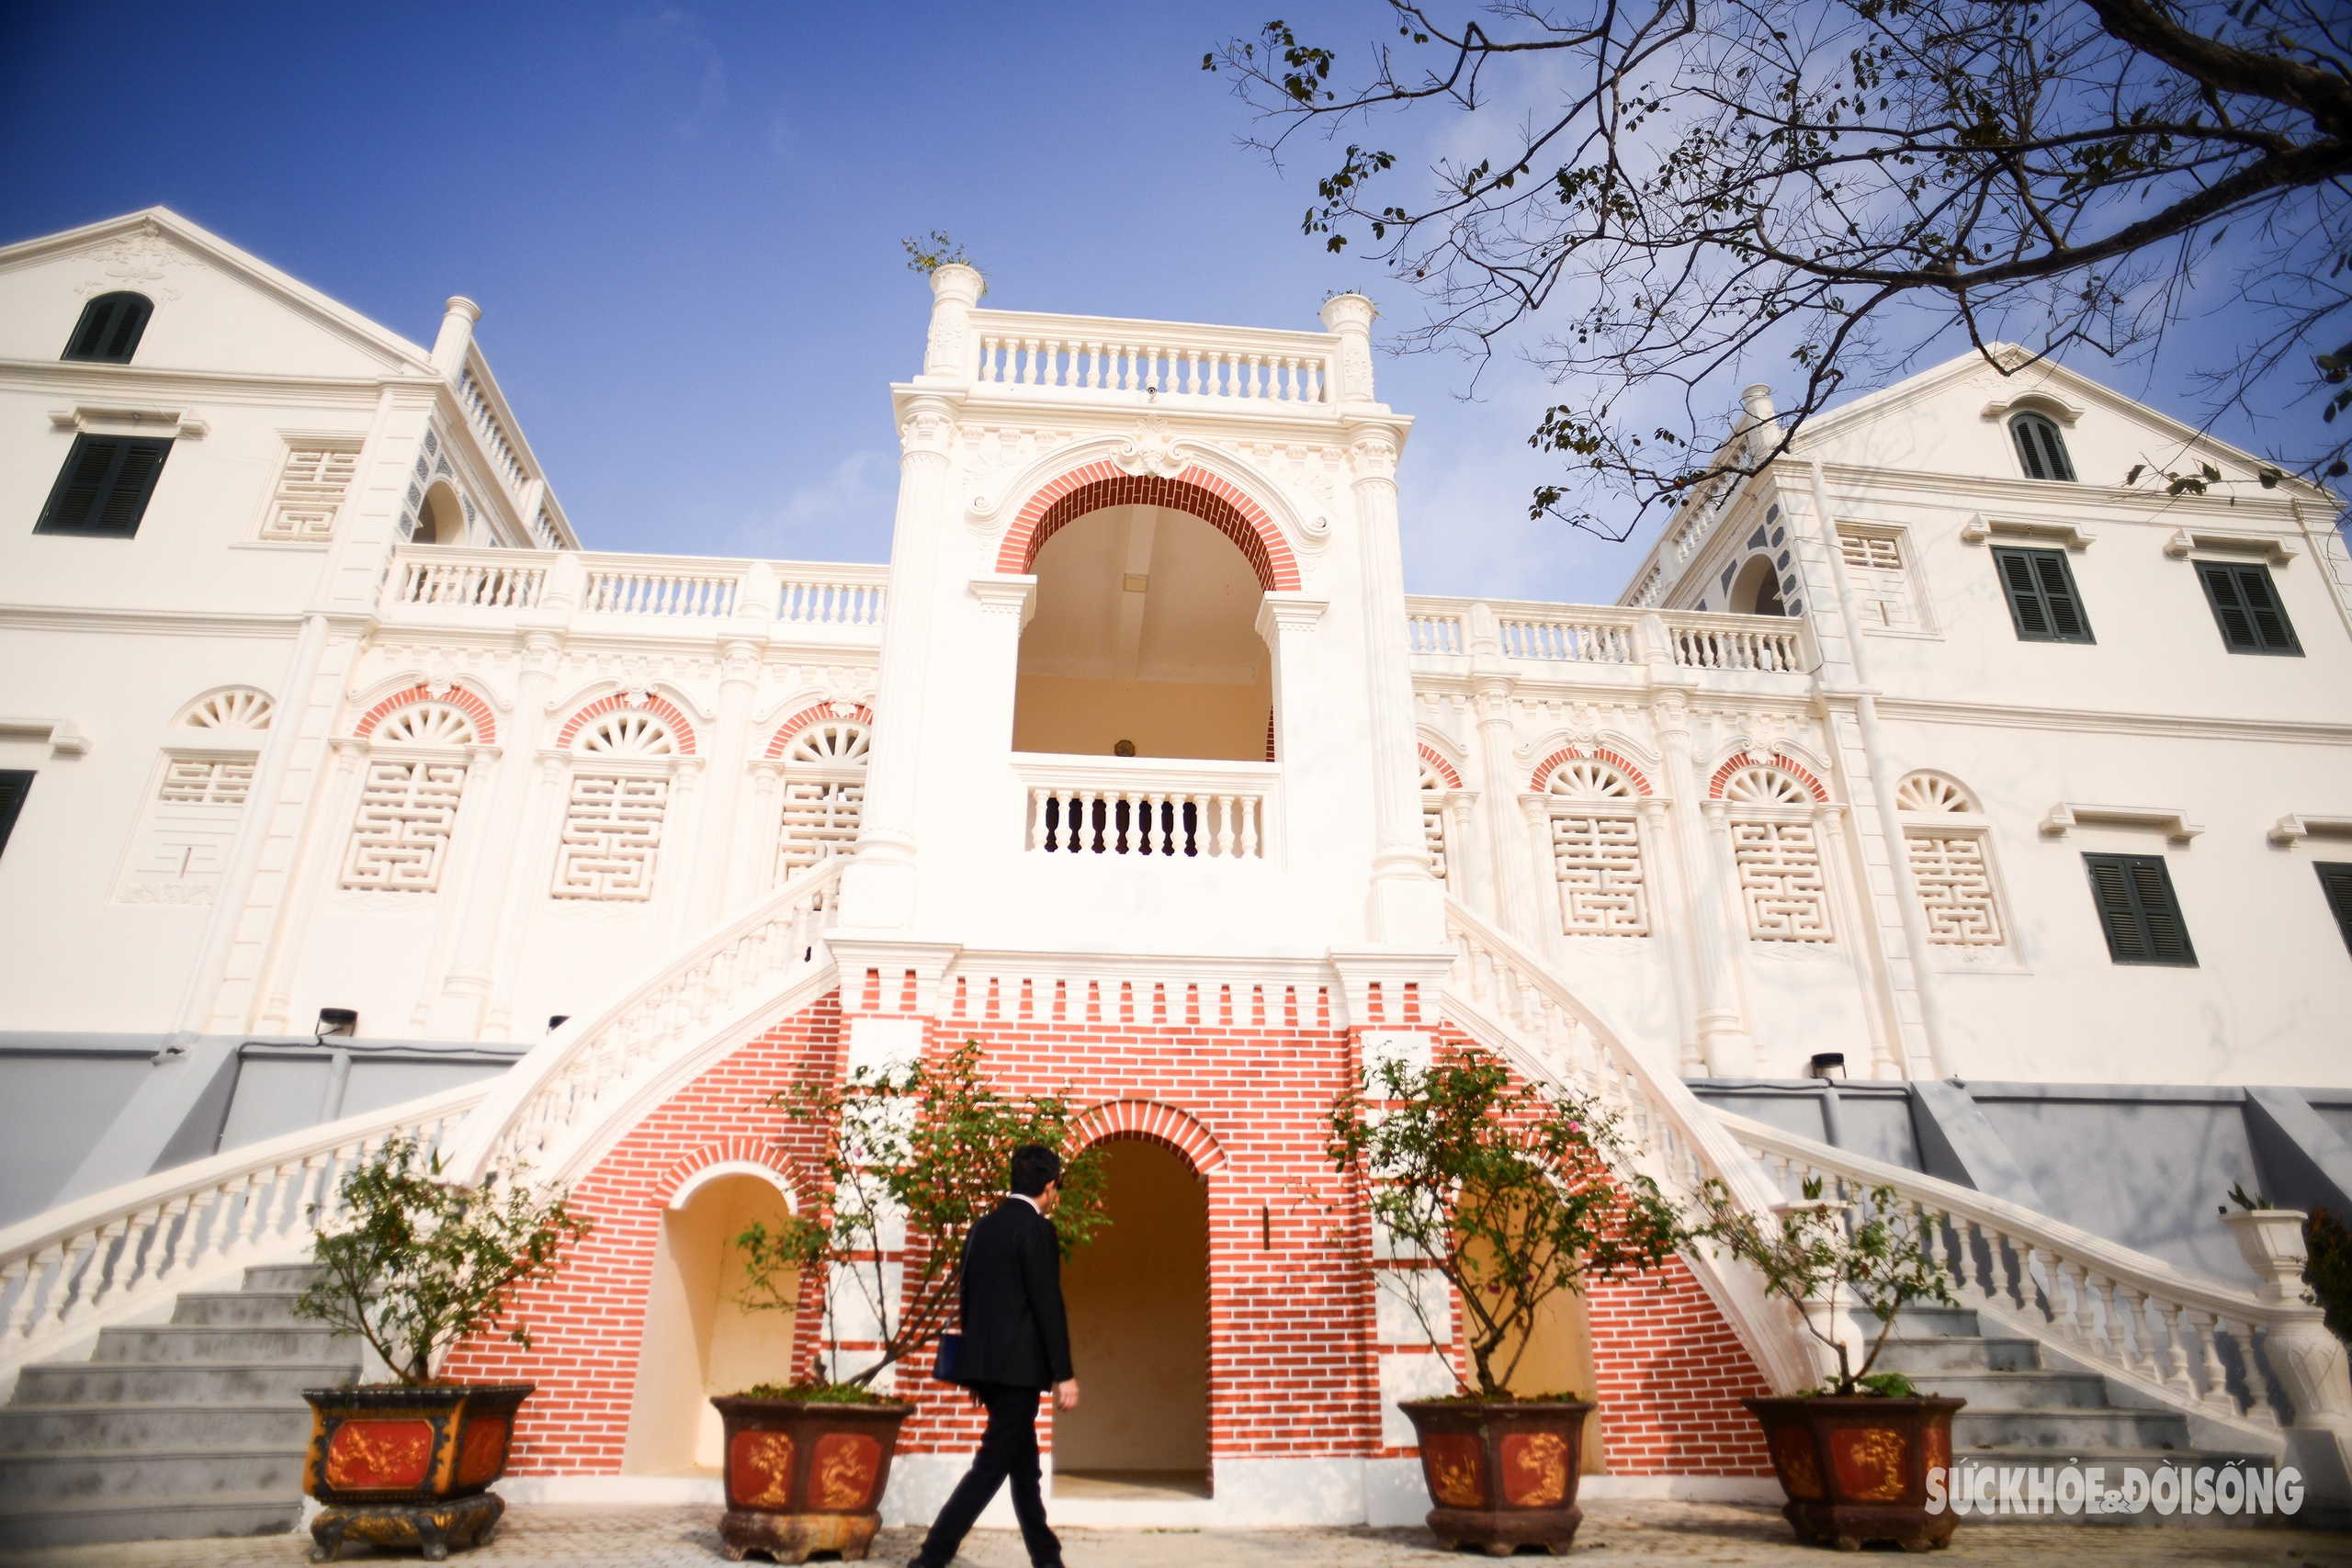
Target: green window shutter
[2044,604]
[2246,608]
[2138,911]
[2335,881]
[14,784]
[110,329]
[2041,448]
[105,486]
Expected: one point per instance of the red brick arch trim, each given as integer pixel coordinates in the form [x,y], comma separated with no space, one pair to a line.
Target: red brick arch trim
[1213,500]
[1542,779]
[1782,761]
[1162,1125]
[857,712]
[457,696]
[660,707]
[1441,767]
[741,1149]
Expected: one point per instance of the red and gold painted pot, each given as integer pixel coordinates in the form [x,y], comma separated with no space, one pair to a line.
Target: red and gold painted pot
[1503,1475]
[374,1446]
[1855,1467]
[804,1476]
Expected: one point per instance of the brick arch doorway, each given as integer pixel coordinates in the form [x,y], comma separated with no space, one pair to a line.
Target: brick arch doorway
[1139,1308]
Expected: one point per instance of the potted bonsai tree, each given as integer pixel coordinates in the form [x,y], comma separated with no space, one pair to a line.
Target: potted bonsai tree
[914,1154]
[1853,1455]
[1511,1194]
[412,1263]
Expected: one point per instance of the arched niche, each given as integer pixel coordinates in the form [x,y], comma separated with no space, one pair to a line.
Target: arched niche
[1756,590]
[699,1339]
[440,520]
[1144,632]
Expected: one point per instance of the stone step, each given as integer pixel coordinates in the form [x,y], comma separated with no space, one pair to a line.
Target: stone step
[238,1307]
[32,1428]
[194,1382]
[65,1475]
[2104,1431]
[1960,1355]
[1922,1323]
[273,1277]
[1987,1390]
[100,1521]
[179,1343]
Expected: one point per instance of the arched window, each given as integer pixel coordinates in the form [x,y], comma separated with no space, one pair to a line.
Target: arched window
[2041,448]
[620,793]
[1758,589]
[1777,852]
[1596,849]
[1434,791]
[111,328]
[408,801]
[1946,839]
[824,794]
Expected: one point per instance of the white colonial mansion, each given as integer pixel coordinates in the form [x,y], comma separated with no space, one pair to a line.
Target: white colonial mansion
[1935,748]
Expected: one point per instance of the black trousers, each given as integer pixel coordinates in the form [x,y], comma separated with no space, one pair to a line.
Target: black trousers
[1008,1452]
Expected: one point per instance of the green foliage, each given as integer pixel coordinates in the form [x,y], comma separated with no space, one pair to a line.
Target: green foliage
[2327,1269]
[925,1146]
[2253,1204]
[417,1262]
[927,256]
[1873,1251]
[818,1394]
[1511,1193]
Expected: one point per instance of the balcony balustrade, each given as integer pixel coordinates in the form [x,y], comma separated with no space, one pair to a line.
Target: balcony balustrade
[1086,356]
[1084,806]
[648,588]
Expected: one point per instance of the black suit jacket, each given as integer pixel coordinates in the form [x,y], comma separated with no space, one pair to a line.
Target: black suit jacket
[1014,1329]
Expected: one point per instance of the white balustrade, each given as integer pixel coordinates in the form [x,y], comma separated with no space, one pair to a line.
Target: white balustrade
[836,601]
[1578,641]
[484,580]
[117,1254]
[1721,642]
[1613,635]
[2130,1315]
[1433,633]
[1091,805]
[487,425]
[674,589]
[1085,355]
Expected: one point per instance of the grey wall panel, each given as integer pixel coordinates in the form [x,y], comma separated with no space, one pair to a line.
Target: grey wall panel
[54,1109]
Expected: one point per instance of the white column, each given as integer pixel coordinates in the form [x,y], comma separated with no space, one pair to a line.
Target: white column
[1850,905]
[1670,919]
[947,352]
[1407,903]
[456,331]
[752,873]
[314,868]
[1541,874]
[1515,894]
[878,886]
[682,825]
[472,842]
[527,890]
[1465,878]
[203,990]
[462,1007]
[738,681]
[1723,1035]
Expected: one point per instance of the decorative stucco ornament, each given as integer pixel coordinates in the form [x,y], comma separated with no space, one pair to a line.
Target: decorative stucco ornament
[139,260]
[1153,449]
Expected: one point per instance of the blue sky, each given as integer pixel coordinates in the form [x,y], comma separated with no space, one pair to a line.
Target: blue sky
[683,223]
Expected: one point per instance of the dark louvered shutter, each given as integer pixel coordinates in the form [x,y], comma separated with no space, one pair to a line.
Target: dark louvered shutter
[2025,599]
[2041,448]
[2246,608]
[105,486]
[110,329]
[2041,590]
[2138,911]
[2058,591]
[14,784]
[2335,881]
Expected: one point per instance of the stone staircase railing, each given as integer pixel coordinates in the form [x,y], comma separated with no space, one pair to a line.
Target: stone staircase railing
[568,1086]
[125,1252]
[1515,1004]
[2181,1341]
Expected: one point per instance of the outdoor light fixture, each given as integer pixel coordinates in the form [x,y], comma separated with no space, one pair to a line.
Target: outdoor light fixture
[557,1021]
[1826,1065]
[337,1021]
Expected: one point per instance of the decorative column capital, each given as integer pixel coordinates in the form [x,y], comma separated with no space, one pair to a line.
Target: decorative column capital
[1374,452]
[926,430]
[1280,614]
[1008,594]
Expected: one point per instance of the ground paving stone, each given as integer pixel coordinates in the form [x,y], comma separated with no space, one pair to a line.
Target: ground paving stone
[1615,1535]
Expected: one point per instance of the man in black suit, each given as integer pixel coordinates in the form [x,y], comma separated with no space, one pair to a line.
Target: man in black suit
[1016,1345]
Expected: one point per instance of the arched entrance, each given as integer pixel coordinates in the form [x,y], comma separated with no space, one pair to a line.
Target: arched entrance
[699,1339]
[1138,1316]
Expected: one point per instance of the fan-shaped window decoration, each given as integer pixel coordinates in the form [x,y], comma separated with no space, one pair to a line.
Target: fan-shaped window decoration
[626,732]
[1761,786]
[408,805]
[1932,792]
[427,724]
[111,328]
[1778,856]
[2041,448]
[1951,864]
[1597,850]
[238,707]
[824,791]
[1433,790]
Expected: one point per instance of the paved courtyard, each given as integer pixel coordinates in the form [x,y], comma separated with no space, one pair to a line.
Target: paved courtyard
[585,1536]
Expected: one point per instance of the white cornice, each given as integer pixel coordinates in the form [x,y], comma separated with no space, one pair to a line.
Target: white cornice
[2276,550]
[2195,727]
[73,379]
[170,623]
[2111,503]
[63,739]
[2297,826]
[83,418]
[1977,529]
[2067,814]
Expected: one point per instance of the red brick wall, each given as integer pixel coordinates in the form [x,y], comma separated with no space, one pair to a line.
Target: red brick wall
[1233,1078]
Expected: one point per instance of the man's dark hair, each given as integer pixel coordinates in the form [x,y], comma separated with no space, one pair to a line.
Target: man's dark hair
[1035,1168]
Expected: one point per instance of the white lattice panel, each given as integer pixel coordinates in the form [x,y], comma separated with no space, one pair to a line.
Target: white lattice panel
[311,489]
[612,834]
[185,835]
[400,836]
[1598,862]
[1433,831]
[1956,888]
[1882,583]
[820,820]
[1780,881]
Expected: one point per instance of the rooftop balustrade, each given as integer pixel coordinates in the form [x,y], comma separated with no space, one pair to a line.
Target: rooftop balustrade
[1608,634]
[1087,356]
[458,585]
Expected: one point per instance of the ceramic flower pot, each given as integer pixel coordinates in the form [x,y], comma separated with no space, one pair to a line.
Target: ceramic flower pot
[803,1475]
[1502,1473]
[1855,1467]
[2272,1242]
[400,1466]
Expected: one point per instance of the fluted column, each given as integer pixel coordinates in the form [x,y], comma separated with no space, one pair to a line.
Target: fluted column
[1542,872]
[1723,1036]
[1506,832]
[463,1005]
[1670,919]
[878,887]
[1407,903]
[738,681]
